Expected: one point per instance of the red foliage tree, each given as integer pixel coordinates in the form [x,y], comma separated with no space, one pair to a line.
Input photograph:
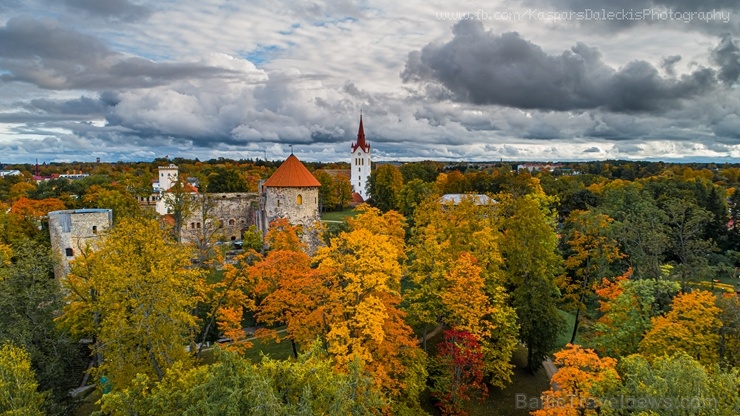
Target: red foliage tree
[459,375]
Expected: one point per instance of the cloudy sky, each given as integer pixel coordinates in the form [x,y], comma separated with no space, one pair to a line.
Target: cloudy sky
[512,79]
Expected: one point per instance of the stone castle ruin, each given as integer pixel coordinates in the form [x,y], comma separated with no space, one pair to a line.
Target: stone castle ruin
[72,231]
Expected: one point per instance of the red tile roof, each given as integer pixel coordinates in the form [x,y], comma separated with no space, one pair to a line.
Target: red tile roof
[292,173]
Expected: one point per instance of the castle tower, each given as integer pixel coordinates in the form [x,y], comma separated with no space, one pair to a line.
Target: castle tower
[167,177]
[360,172]
[292,192]
[71,231]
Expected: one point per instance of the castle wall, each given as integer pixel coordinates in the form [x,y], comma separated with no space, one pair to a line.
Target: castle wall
[72,230]
[233,212]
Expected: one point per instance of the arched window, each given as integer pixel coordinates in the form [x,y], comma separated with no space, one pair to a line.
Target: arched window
[69,252]
[232,222]
[299,199]
[95,229]
[278,203]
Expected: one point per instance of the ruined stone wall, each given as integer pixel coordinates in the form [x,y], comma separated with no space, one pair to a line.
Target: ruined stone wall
[72,230]
[233,213]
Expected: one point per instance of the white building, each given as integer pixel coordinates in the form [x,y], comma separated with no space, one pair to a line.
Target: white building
[360,172]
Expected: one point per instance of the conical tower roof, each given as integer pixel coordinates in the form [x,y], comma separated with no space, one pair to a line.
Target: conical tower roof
[292,173]
[361,139]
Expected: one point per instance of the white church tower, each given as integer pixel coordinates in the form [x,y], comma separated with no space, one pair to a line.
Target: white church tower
[360,172]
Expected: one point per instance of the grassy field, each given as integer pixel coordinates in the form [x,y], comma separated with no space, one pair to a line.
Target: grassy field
[564,338]
[338,215]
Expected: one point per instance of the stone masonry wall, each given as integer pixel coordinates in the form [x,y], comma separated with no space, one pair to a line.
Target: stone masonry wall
[72,230]
[235,212]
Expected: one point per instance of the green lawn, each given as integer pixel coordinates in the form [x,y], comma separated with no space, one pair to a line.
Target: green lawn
[338,215]
[564,338]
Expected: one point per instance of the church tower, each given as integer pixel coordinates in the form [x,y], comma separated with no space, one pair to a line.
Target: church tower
[360,172]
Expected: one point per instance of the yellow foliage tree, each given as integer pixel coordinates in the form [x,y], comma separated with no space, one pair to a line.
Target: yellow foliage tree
[362,277]
[692,326]
[135,296]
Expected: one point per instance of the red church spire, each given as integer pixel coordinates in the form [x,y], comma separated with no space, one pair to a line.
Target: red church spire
[361,139]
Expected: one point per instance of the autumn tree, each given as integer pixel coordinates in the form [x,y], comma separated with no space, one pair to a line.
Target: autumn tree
[292,293]
[123,204]
[692,326]
[454,253]
[469,308]
[531,264]
[362,314]
[592,251]
[626,307]
[458,372]
[581,379]
[135,295]
[18,387]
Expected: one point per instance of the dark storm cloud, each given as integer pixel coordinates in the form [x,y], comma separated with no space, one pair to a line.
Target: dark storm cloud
[483,68]
[79,106]
[111,9]
[43,53]
[727,56]
[669,62]
[592,150]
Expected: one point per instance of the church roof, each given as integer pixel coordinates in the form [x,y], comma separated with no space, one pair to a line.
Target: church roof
[292,173]
[361,139]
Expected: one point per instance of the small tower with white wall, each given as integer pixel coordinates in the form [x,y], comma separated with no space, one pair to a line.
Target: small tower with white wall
[360,172]
[167,177]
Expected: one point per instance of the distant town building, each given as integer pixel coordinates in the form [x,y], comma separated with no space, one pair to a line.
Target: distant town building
[292,192]
[478,199]
[14,172]
[72,231]
[361,164]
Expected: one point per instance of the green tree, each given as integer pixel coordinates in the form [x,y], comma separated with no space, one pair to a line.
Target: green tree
[30,299]
[385,184]
[411,195]
[639,227]
[687,223]
[627,306]
[672,385]
[226,179]
[531,264]
[235,386]
[18,387]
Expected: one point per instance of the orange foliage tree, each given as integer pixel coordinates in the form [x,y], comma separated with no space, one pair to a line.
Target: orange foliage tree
[581,378]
